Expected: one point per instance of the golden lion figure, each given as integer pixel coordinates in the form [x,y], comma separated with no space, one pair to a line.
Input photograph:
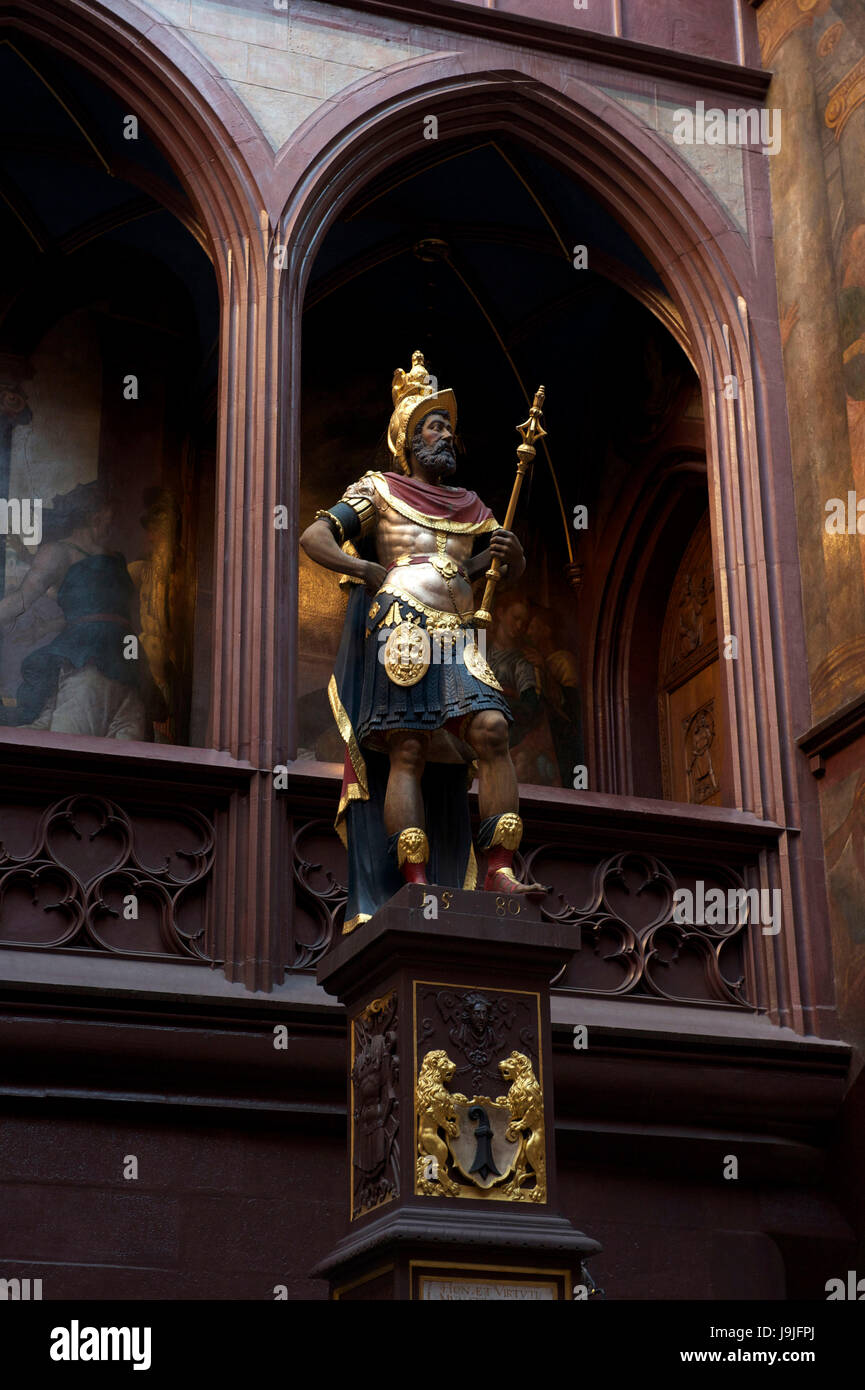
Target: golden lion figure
[525,1102]
[435,1108]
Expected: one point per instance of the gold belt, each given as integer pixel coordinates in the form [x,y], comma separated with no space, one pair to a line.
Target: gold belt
[444,564]
[440,618]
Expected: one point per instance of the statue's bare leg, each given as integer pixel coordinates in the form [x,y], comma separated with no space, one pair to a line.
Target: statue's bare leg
[498,795]
[403,803]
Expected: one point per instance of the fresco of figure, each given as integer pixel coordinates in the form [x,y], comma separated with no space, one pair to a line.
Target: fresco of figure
[81,682]
[540,679]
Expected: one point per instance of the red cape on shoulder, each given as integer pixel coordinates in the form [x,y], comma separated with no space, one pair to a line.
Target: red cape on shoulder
[457,505]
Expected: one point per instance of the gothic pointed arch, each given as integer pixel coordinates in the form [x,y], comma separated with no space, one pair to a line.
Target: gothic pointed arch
[723,290]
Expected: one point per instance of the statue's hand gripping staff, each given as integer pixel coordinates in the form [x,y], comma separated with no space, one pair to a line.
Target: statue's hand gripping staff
[531,430]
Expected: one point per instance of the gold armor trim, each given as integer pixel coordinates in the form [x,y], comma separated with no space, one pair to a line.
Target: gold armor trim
[359,789]
[346,579]
[323,513]
[477,666]
[393,616]
[429,523]
[366,512]
[444,564]
[470,882]
[407,654]
[447,568]
[353,922]
[412,846]
[437,615]
[439,1112]
[508,831]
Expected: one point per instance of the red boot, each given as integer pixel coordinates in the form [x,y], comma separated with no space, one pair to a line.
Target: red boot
[501,878]
[504,834]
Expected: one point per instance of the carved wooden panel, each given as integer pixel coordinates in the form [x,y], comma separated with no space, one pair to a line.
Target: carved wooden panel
[477,1028]
[689,684]
[374,1106]
[690,635]
[702,750]
[696,739]
[85,873]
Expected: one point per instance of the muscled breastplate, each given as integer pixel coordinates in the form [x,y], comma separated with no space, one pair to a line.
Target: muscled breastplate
[424,564]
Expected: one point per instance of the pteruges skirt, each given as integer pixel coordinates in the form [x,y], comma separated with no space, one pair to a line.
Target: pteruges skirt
[422,669]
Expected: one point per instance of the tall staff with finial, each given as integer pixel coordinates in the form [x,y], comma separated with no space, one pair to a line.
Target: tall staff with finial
[531,430]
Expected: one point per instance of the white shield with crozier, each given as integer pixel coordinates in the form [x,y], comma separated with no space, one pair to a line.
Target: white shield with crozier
[482,1152]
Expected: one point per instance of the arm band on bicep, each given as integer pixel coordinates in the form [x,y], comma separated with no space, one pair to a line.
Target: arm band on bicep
[343,520]
[364,511]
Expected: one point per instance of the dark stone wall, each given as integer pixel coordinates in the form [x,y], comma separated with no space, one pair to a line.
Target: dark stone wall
[241,1149]
[220,1210]
[231,1210]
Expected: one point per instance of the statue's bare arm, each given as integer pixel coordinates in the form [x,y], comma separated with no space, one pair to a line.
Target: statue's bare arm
[319,543]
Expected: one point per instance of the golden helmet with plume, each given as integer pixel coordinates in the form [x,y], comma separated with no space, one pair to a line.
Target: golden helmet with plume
[414,396]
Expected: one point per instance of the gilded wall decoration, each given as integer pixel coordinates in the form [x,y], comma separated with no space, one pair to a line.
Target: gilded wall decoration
[471,1141]
[817,57]
[479,1146]
[818,182]
[846,98]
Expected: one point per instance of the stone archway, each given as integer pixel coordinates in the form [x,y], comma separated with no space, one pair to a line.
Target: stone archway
[726,300]
[221,157]
[170,88]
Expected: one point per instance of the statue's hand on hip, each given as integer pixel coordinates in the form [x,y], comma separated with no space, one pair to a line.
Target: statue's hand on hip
[373,576]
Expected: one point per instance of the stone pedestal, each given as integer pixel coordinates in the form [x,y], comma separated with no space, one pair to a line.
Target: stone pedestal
[452,1175]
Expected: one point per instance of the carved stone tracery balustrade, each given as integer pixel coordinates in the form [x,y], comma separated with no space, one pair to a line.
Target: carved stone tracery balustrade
[83,873]
[622,902]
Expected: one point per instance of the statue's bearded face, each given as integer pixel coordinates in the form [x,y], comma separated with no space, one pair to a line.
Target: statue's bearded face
[432,444]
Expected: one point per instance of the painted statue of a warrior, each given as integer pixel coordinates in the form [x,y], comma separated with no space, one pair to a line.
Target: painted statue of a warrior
[413,697]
